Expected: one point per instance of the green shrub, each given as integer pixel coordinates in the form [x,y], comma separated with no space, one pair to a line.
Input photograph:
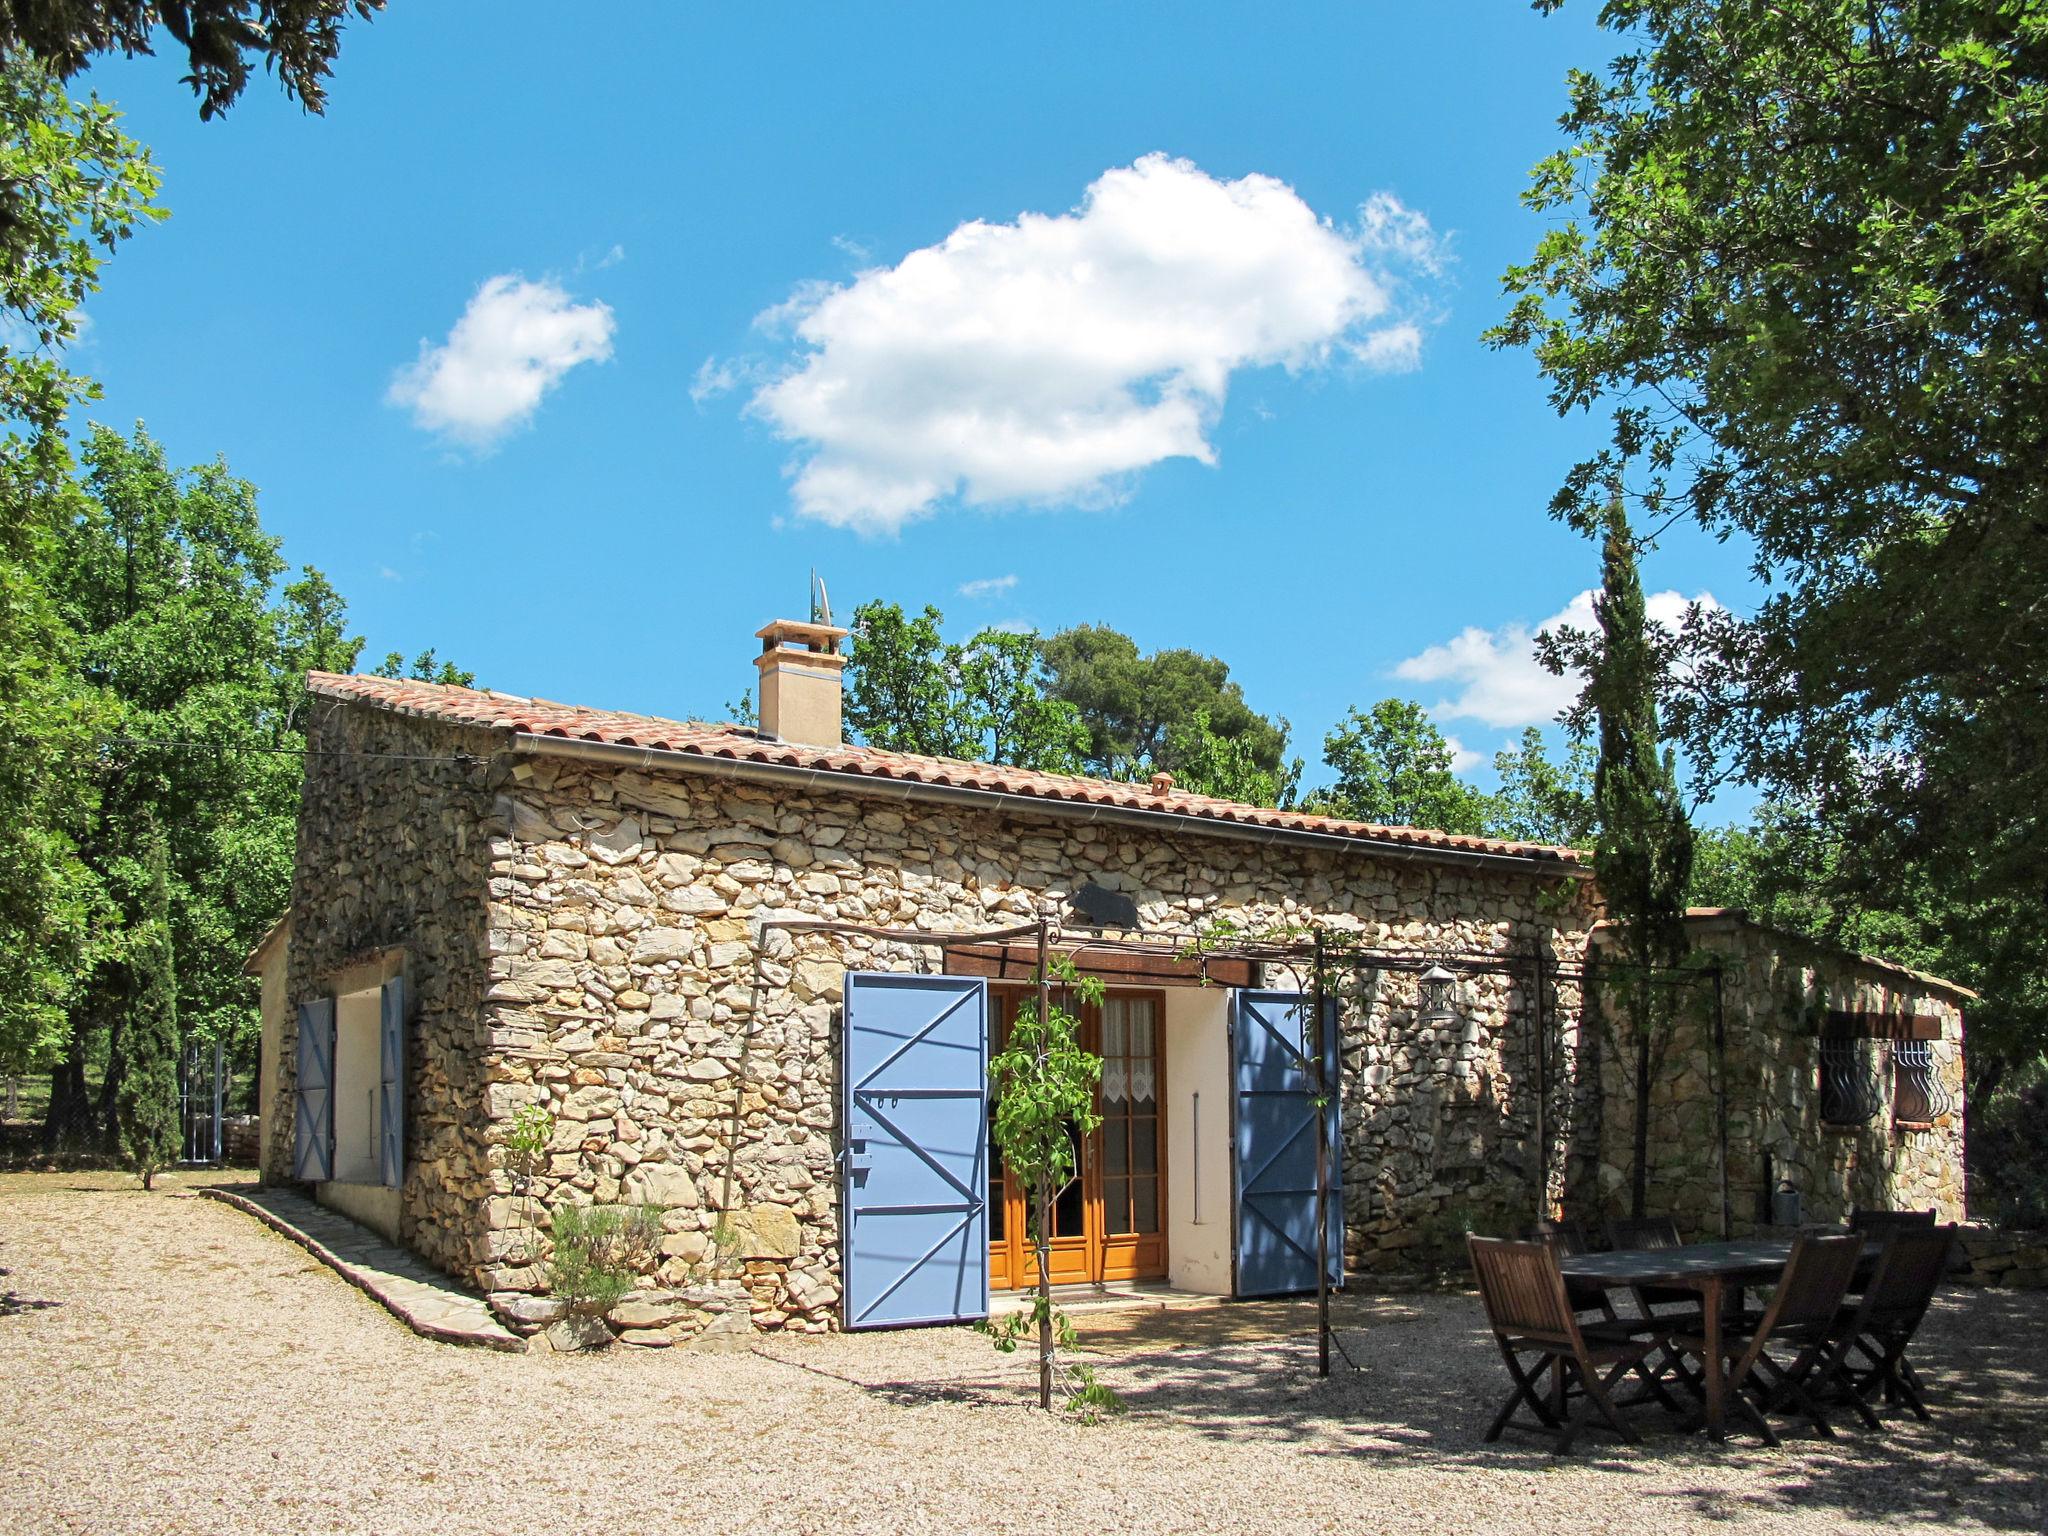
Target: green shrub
[2008,1154]
[598,1252]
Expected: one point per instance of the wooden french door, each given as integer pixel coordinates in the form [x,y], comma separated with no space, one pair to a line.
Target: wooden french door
[1109,1223]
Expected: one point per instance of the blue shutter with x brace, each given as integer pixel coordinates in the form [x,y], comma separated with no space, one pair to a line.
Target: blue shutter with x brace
[916,1150]
[313,1119]
[391,1083]
[1276,1144]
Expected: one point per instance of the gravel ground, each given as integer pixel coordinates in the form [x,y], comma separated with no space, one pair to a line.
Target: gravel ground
[169,1365]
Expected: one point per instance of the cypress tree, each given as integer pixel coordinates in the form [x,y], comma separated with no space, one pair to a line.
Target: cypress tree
[1643,858]
[146,1103]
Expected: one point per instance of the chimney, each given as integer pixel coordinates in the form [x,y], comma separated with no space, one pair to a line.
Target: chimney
[800,666]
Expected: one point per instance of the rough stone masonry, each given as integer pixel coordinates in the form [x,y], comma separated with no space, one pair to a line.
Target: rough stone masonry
[585,936]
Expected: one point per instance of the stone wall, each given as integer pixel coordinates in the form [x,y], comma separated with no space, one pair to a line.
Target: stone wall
[392,857]
[1777,991]
[1993,1256]
[623,994]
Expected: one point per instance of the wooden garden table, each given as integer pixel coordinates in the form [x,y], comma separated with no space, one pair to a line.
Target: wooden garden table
[1708,1268]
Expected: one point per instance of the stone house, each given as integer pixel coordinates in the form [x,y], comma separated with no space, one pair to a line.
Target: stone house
[1838,1078]
[501,902]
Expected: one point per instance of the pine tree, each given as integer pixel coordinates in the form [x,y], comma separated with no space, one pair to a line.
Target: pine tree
[146,1103]
[1643,858]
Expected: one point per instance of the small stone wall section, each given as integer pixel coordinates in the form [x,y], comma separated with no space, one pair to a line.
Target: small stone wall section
[708,1317]
[1992,1256]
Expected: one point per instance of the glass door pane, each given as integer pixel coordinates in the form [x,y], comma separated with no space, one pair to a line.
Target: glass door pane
[1130,1115]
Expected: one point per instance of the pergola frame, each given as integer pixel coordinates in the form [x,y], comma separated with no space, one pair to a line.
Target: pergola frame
[1321,958]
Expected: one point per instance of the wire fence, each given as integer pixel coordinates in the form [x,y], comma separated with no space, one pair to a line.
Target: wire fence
[79,1133]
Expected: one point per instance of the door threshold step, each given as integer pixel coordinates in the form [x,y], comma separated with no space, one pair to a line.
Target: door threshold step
[1079,1299]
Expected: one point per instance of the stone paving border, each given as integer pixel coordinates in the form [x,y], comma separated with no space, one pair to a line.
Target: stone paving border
[421,1298]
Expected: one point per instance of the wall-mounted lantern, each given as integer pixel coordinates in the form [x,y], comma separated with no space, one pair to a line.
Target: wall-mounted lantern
[1437,984]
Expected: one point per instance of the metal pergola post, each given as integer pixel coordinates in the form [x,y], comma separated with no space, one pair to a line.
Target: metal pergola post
[1321,1092]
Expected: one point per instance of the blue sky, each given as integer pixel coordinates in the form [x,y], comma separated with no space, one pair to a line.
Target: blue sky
[1281,441]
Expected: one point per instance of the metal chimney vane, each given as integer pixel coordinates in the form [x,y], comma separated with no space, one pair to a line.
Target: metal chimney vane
[821,600]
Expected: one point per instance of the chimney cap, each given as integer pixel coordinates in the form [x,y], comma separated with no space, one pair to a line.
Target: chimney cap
[822,638]
[1162,783]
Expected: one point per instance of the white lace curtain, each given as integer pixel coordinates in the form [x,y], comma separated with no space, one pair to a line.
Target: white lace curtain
[1130,1050]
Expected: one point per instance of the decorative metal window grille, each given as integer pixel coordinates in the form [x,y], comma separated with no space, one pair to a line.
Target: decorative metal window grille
[1851,1091]
[1918,1094]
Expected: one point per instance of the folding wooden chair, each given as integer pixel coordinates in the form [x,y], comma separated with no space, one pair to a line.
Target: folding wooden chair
[1804,1315]
[1882,1223]
[1531,1316]
[1883,1323]
[1568,1238]
[1632,1232]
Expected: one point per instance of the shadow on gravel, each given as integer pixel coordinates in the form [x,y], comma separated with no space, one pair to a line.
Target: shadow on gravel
[1426,1379]
[13,1303]
[1416,1379]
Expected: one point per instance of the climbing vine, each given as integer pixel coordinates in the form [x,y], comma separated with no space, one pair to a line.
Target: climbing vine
[1043,1083]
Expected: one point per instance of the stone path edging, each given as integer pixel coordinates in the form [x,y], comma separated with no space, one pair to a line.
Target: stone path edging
[425,1302]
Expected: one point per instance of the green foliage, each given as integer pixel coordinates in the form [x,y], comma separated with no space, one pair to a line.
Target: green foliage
[1141,715]
[1045,1108]
[166,580]
[598,1250]
[195,658]
[2008,1151]
[1796,251]
[1086,1396]
[909,690]
[1208,763]
[426,668]
[1440,1238]
[146,1102]
[1044,1085]
[1786,869]
[526,1145]
[1541,801]
[1643,854]
[1394,769]
[76,187]
[296,40]
[1083,700]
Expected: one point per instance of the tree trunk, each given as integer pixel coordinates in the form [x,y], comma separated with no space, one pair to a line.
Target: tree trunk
[1639,1183]
[109,1119]
[1042,1244]
[66,1120]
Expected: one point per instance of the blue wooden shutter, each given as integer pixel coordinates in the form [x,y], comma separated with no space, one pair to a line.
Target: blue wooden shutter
[915,1246]
[391,1082]
[1275,1153]
[313,1121]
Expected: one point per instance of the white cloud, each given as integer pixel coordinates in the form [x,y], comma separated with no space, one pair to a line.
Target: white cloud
[713,378]
[1498,679]
[987,586]
[512,345]
[1052,358]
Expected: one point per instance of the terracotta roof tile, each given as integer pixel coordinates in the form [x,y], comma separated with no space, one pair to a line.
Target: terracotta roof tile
[542,717]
